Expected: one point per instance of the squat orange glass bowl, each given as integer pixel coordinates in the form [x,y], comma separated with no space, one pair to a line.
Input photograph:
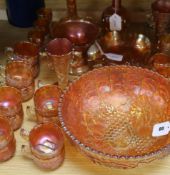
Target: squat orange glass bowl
[111,119]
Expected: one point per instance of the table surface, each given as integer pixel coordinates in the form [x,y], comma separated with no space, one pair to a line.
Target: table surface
[75,163]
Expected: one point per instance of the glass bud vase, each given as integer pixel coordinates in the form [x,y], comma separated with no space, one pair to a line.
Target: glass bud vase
[115,8]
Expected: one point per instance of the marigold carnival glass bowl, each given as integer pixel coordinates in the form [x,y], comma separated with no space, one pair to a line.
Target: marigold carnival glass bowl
[110,114]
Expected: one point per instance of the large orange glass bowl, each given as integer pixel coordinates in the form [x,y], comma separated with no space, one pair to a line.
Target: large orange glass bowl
[109,114]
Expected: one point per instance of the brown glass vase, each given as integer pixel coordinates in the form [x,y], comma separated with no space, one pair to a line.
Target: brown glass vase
[117,8]
[161,15]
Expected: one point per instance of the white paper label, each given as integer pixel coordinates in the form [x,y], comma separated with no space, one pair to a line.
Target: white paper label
[115,22]
[161,129]
[49,105]
[114,57]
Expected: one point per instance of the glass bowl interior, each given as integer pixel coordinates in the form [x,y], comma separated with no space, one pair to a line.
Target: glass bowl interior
[112,111]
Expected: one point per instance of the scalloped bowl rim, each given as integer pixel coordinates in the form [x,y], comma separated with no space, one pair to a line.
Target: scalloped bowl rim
[94,151]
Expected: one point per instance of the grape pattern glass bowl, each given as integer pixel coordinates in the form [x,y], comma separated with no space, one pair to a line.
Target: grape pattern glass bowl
[109,114]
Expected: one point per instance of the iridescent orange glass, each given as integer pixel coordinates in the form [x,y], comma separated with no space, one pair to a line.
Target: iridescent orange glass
[7,140]
[20,76]
[45,13]
[46,100]
[43,25]
[160,63]
[46,145]
[36,36]
[110,112]
[27,52]
[60,51]
[11,105]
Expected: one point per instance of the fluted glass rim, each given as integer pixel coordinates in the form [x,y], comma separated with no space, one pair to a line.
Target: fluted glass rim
[83,146]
